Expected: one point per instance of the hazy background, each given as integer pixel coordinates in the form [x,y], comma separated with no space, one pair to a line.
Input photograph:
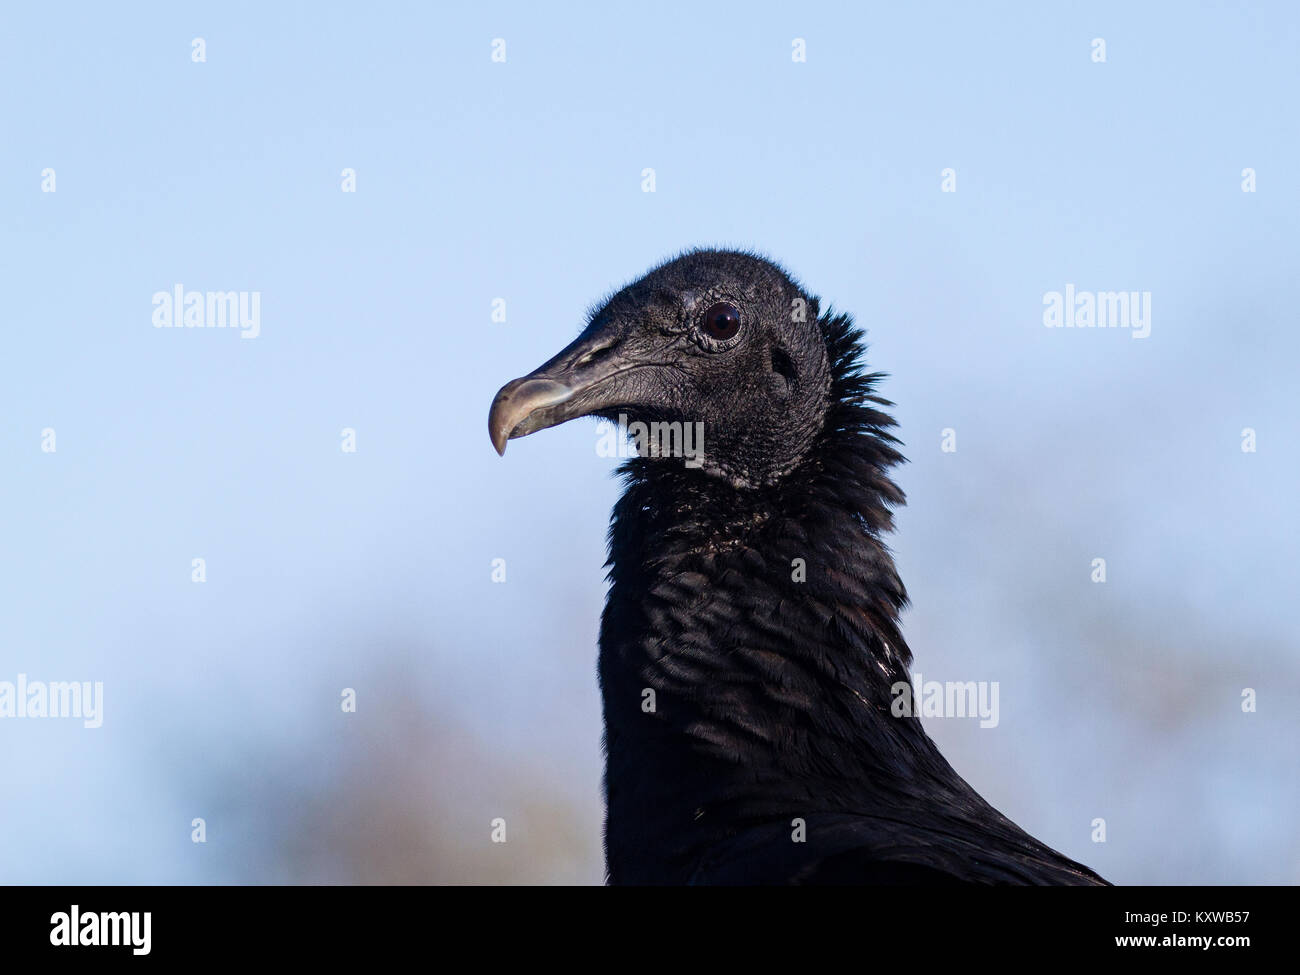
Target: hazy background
[522,180]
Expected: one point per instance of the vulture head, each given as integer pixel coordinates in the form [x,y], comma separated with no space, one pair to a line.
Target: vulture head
[723,341]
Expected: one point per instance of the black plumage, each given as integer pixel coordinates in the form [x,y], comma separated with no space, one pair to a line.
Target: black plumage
[749,735]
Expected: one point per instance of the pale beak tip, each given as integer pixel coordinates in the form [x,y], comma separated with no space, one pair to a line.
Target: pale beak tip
[497,434]
[518,400]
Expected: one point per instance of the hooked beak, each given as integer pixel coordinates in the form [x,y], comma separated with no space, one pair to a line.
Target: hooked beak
[577,382]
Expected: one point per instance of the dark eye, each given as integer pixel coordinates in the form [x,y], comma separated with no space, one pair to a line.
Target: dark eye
[721,321]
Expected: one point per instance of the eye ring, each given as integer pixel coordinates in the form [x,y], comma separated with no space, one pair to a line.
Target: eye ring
[721,323]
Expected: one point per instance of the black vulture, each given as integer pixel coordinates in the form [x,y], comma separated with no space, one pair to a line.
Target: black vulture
[749,648]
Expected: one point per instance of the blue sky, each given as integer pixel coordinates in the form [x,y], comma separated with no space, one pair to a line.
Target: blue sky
[523,180]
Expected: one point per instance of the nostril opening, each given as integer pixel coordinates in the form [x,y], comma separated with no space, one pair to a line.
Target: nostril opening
[595,355]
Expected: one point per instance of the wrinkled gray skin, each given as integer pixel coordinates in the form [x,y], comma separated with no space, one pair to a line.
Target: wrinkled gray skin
[760,395]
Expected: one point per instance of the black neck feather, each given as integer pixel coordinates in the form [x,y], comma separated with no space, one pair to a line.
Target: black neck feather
[750,640]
